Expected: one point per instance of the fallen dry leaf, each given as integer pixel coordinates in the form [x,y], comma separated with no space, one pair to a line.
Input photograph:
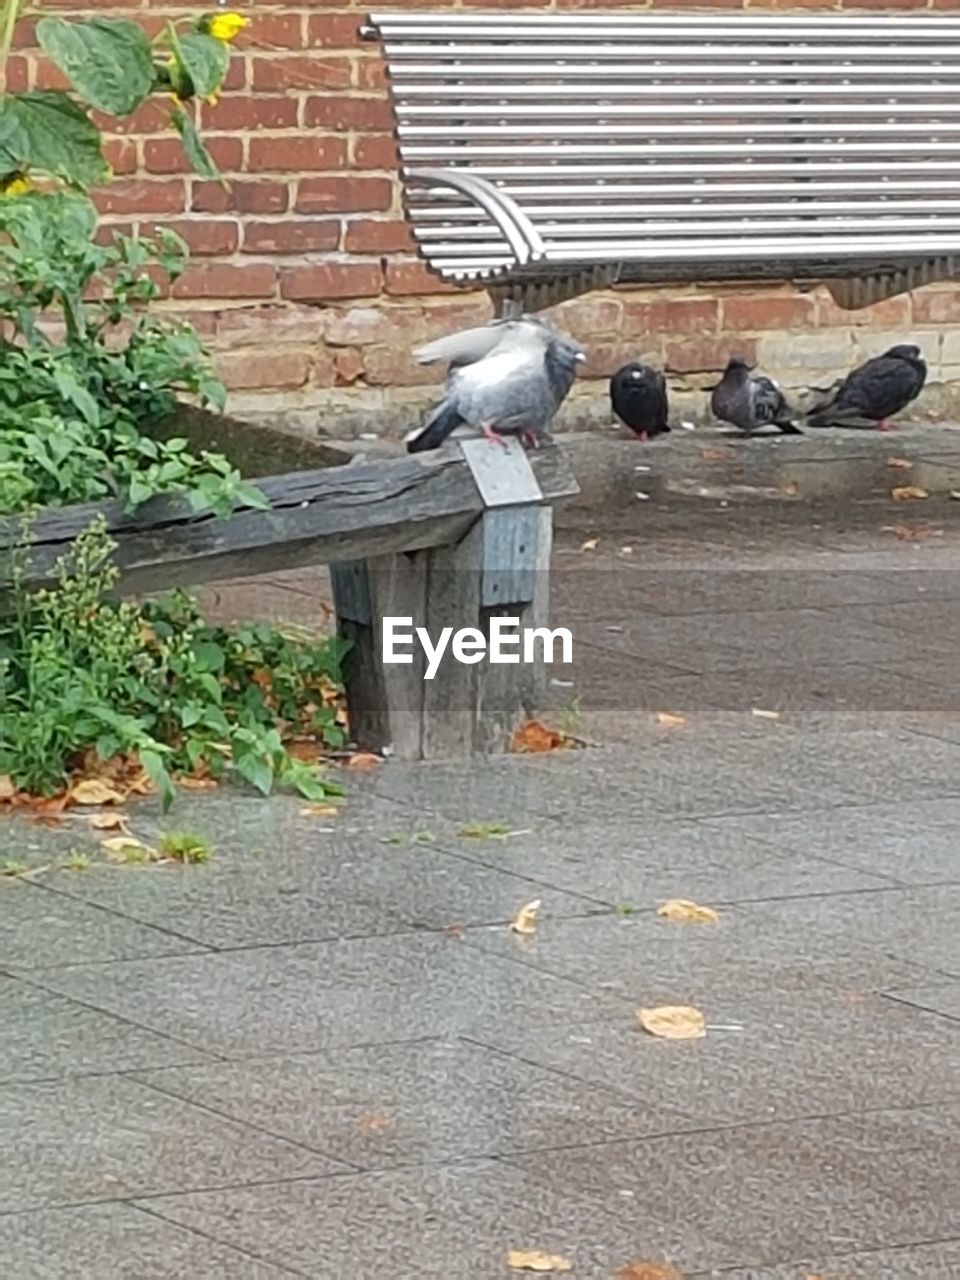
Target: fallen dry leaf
[536,1260]
[109,822]
[525,921]
[7,789]
[648,1271]
[761,714]
[673,1022]
[908,492]
[192,783]
[687,911]
[899,464]
[376,1123]
[912,533]
[713,455]
[126,849]
[363,760]
[534,736]
[94,791]
[319,811]
[589,545]
[455,931]
[669,720]
[791,489]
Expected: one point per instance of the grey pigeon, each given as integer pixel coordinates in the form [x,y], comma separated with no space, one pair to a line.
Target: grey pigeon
[750,401]
[638,396]
[507,378]
[876,390]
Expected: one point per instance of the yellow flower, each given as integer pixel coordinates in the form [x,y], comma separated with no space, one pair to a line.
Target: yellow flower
[16,185]
[226,26]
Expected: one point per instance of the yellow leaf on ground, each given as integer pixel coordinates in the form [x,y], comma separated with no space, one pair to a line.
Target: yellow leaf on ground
[109,822]
[590,544]
[191,783]
[899,464]
[765,715]
[689,912]
[669,720]
[906,492]
[319,811]
[7,789]
[648,1271]
[534,737]
[93,791]
[126,849]
[525,921]
[912,532]
[673,1022]
[363,760]
[536,1260]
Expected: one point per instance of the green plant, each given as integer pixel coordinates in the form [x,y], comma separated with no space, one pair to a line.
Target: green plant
[85,367]
[185,847]
[84,678]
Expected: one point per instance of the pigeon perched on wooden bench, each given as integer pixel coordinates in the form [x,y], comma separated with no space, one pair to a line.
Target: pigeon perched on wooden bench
[506,378]
[875,391]
[750,401]
[638,397]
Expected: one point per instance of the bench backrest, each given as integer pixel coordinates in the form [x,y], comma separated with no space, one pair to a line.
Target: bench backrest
[674,147]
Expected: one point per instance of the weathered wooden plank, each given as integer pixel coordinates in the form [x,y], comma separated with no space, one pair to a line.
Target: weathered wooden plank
[339,513]
[509,555]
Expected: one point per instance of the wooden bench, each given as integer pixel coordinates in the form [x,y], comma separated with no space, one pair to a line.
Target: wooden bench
[449,538]
[547,154]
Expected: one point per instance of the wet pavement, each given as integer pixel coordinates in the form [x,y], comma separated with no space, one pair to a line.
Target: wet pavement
[325,1054]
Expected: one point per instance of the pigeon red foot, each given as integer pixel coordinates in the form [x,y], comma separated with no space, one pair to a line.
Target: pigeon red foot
[493,436]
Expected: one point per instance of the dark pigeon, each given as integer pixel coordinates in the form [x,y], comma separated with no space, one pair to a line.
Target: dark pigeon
[750,401]
[508,378]
[638,396]
[875,391]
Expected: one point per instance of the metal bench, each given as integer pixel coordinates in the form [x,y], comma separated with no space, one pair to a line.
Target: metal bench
[544,155]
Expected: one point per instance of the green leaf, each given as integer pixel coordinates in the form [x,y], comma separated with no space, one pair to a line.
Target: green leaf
[256,771]
[193,145]
[205,61]
[156,771]
[107,60]
[78,396]
[47,130]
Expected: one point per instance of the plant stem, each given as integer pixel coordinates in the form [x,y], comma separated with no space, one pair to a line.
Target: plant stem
[9,13]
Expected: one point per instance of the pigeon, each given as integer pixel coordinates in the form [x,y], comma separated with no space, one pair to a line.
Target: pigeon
[750,401]
[638,396]
[875,391]
[507,378]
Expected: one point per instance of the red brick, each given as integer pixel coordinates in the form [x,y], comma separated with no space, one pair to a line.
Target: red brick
[936,306]
[247,112]
[332,280]
[891,313]
[121,154]
[272,75]
[673,315]
[47,76]
[392,366]
[334,30]
[378,151]
[348,364]
[362,326]
[258,370]
[205,237]
[366,235]
[25,33]
[267,324]
[450,314]
[107,232]
[301,236]
[371,73]
[18,74]
[605,358]
[274,31]
[759,312]
[344,194]
[413,278]
[152,117]
[703,355]
[239,197]
[226,280]
[141,196]
[294,154]
[166,155]
[369,114]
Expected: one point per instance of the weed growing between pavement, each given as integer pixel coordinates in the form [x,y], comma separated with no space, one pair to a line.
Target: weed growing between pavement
[94,688]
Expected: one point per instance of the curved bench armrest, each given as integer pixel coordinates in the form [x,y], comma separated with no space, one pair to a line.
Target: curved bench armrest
[519,231]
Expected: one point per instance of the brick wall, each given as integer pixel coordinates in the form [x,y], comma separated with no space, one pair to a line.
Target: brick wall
[304,282]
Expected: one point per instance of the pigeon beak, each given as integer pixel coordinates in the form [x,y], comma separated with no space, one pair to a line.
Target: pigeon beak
[580,357]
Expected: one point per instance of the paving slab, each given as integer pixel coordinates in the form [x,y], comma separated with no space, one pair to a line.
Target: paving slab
[938,997]
[753,948]
[103,1138]
[458,1220]
[385,1105]
[939,1261]
[317,995]
[118,1242]
[48,1035]
[768,1192]
[765,1057]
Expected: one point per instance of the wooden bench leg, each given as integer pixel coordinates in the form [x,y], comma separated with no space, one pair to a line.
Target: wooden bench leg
[499,569]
